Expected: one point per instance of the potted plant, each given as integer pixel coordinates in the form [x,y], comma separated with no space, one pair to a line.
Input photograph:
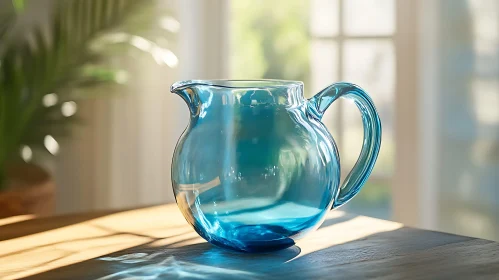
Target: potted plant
[42,78]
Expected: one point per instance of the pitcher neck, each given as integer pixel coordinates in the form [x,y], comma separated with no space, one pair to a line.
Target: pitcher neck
[240,93]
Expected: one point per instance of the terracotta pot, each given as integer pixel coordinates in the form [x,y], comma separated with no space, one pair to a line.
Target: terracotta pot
[30,190]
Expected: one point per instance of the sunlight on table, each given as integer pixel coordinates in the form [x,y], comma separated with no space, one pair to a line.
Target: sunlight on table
[155,228]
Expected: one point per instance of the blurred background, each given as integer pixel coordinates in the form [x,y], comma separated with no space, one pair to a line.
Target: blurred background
[87,84]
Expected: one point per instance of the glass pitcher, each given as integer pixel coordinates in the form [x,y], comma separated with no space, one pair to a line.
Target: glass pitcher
[256,168]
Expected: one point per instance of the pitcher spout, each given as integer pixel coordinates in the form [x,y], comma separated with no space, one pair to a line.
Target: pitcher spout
[186,90]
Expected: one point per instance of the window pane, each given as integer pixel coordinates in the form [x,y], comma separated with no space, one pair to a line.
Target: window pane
[369,17]
[371,65]
[485,31]
[323,72]
[323,64]
[485,99]
[324,18]
[269,39]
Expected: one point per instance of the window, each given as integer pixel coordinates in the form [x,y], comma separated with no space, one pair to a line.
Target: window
[356,38]
[319,42]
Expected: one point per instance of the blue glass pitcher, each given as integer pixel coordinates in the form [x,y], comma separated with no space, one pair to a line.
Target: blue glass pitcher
[256,168]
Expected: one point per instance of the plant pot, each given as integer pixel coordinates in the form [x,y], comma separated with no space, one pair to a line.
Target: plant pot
[30,190]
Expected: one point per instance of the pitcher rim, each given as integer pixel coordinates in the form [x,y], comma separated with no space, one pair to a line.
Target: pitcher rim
[237,83]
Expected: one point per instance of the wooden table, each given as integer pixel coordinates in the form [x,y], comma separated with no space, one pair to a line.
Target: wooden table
[157,243]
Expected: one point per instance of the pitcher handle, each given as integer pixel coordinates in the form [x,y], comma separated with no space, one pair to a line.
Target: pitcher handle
[372,134]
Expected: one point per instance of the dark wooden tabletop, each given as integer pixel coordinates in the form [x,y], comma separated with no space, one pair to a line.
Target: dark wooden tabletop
[157,243]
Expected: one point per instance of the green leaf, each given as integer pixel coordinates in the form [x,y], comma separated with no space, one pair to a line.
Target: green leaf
[19,5]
